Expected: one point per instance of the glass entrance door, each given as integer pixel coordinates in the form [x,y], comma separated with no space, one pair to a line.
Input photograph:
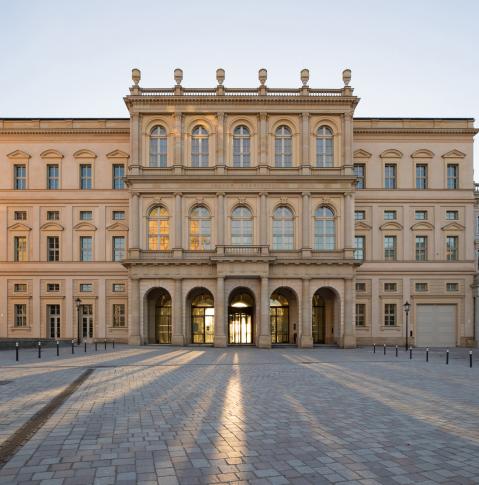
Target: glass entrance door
[163,320]
[53,319]
[319,323]
[240,326]
[279,319]
[86,321]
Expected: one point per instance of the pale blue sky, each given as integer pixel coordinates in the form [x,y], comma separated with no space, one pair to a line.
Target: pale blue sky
[74,58]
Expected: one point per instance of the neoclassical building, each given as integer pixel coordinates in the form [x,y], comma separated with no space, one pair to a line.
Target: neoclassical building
[230,216]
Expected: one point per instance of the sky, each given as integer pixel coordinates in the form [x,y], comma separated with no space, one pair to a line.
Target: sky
[71,58]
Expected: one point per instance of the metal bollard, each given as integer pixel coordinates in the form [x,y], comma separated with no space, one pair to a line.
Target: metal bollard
[58,348]
[396,350]
[384,347]
[470,359]
[427,354]
[447,356]
[410,353]
[16,351]
[85,344]
[105,344]
[39,350]
[73,346]
[113,343]
[374,348]
[96,346]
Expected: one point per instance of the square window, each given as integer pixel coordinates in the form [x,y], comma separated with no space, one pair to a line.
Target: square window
[86,287]
[421,215]
[359,215]
[86,215]
[452,286]
[118,215]
[53,215]
[421,287]
[390,215]
[118,287]
[361,286]
[452,215]
[390,287]
[20,215]
[53,287]
[20,287]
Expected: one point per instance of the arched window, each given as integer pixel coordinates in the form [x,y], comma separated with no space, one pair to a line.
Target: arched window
[283,151]
[200,228]
[324,147]
[199,147]
[242,226]
[158,229]
[324,229]
[158,147]
[241,147]
[283,228]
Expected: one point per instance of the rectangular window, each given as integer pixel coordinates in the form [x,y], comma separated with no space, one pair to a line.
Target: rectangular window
[20,215]
[391,287]
[86,248]
[20,287]
[421,215]
[390,176]
[390,248]
[118,215]
[361,286]
[118,287]
[360,315]
[360,173]
[390,215]
[118,248]
[118,174]
[452,215]
[20,311]
[118,315]
[390,314]
[452,176]
[451,248]
[53,248]
[53,215]
[421,176]
[86,215]
[359,215]
[20,177]
[53,287]
[360,246]
[85,176]
[20,248]
[421,248]
[452,287]
[86,287]
[53,177]
[421,287]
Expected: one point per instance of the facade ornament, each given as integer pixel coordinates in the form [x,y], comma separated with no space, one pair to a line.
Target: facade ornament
[284,199]
[220,76]
[347,77]
[262,76]
[305,77]
[199,200]
[325,200]
[178,76]
[241,200]
[136,76]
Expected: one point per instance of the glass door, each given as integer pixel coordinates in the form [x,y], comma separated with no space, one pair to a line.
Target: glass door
[240,327]
[163,320]
[53,318]
[86,313]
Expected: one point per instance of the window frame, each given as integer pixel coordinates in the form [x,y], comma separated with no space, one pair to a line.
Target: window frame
[283,231]
[161,141]
[20,180]
[53,180]
[20,251]
[452,254]
[244,225]
[360,316]
[200,147]
[390,253]
[86,254]
[421,178]
[20,316]
[360,177]
[86,181]
[53,251]
[283,147]
[422,248]
[324,145]
[204,234]
[390,316]
[118,182]
[120,315]
[118,253]
[452,179]
[325,229]
[360,250]
[390,180]
[241,147]
[158,240]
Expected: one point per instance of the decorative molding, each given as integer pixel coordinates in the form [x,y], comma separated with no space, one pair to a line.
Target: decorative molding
[415,131]
[84,226]
[117,154]
[64,131]
[422,153]
[391,226]
[454,154]
[18,226]
[422,226]
[361,153]
[362,226]
[51,226]
[391,153]
[19,155]
[453,226]
[117,226]
[84,153]
[50,153]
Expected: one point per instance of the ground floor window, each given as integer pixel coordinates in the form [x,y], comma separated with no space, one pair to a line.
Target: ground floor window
[202,319]
[240,318]
[279,318]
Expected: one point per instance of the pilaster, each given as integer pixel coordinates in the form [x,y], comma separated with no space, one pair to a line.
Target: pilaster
[177,336]
[264,340]
[134,337]
[306,340]
[220,335]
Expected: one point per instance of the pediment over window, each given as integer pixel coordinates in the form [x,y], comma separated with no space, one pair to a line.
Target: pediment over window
[18,226]
[453,226]
[391,226]
[118,154]
[51,154]
[391,153]
[84,226]
[422,226]
[19,155]
[362,226]
[117,226]
[84,153]
[52,226]
[360,153]
[454,154]
[422,153]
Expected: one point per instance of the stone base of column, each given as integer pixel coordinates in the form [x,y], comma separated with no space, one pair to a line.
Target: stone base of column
[177,340]
[306,342]
[264,342]
[134,340]
[349,342]
[220,341]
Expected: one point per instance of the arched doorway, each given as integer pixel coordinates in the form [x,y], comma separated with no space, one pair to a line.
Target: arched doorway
[283,314]
[159,316]
[324,316]
[202,316]
[240,317]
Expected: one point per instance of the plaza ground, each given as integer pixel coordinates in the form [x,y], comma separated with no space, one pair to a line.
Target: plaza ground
[195,415]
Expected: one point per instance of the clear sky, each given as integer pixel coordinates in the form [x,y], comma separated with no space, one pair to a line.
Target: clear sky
[74,57]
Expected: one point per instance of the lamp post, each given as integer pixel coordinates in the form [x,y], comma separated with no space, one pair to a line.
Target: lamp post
[407,307]
[77,304]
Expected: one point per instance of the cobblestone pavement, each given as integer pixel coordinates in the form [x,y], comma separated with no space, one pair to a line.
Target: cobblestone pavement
[157,415]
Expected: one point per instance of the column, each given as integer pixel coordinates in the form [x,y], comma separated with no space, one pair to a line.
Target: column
[349,222]
[306,334]
[178,218]
[220,206]
[349,336]
[263,220]
[263,143]
[134,336]
[220,336]
[220,143]
[134,223]
[135,133]
[264,340]
[177,158]
[348,142]
[305,138]
[306,224]
[177,336]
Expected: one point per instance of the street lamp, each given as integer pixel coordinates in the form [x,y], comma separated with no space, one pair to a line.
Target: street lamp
[407,307]
[77,304]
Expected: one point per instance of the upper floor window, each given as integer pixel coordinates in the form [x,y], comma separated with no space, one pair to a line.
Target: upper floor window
[86,248]
[324,229]
[158,147]
[390,215]
[200,228]
[86,287]
[421,176]
[118,173]
[53,177]
[199,147]
[390,314]
[421,215]
[421,248]
[452,175]
[20,215]
[283,228]
[390,176]
[158,229]
[283,147]
[359,215]
[241,147]
[360,173]
[20,248]
[53,248]
[118,248]
[20,287]
[85,176]
[118,215]
[359,247]
[53,287]
[390,248]
[452,286]
[118,287]
[452,248]
[242,226]
[390,287]
[324,147]
[360,314]
[452,215]
[53,215]
[86,215]
[20,177]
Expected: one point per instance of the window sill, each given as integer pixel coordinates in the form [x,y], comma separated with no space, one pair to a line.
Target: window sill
[391,327]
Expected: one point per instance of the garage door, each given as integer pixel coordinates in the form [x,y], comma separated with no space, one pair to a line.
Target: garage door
[436,325]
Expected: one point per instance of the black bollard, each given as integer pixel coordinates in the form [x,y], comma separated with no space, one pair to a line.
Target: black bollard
[374,348]
[73,346]
[113,343]
[410,353]
[447,356]
[105,344]
[16,351]
[96,346]
[85,345]
[39,350]
[427,354]
[470,359]
[58,348]
[384,347]
[396,350]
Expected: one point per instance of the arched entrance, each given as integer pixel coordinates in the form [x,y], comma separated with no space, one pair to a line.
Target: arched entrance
[159,316]
[283,316]
[240,317]
[324,316]
[202,316]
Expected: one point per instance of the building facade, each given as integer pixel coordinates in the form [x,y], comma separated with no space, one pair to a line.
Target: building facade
[238,216]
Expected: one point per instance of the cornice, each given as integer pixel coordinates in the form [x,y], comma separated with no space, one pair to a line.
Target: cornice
[64,131]
[415,131]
